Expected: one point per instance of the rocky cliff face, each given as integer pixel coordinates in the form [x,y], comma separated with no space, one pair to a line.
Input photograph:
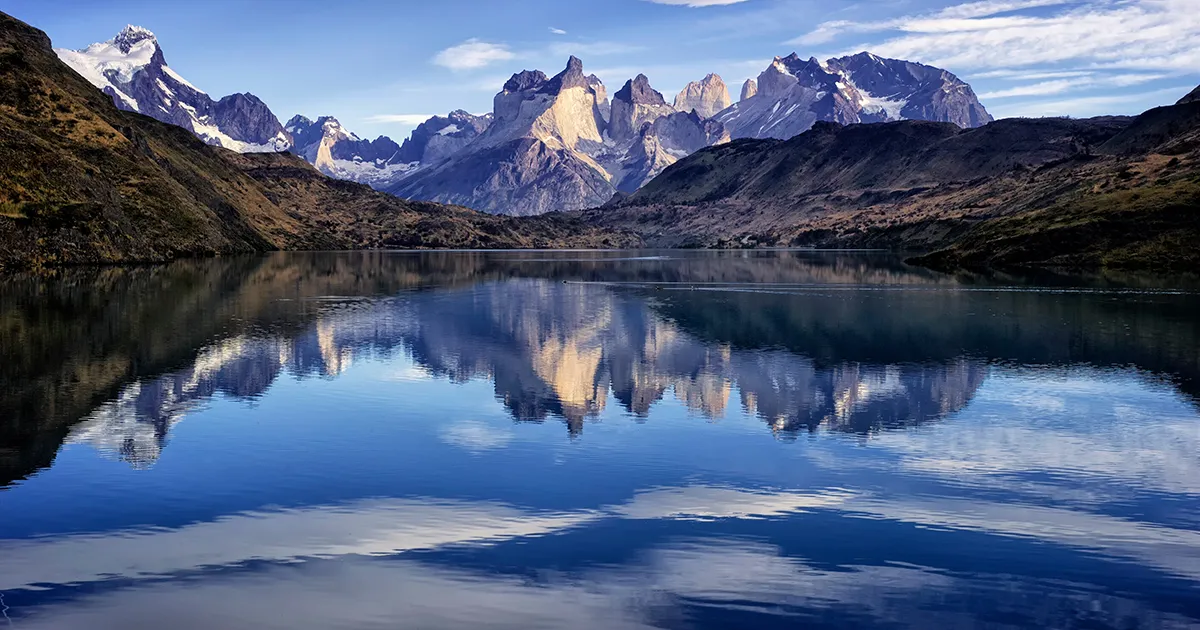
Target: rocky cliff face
[338,153]
[634,105]
[706,97]
[442,136]
[793,93]
[381,162]
[534,157]
[662,143]
[132,70]
[749,89]
[557,143]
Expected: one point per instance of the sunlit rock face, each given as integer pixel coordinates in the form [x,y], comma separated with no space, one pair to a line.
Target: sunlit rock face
[559,143]
[706,97]
[749,89]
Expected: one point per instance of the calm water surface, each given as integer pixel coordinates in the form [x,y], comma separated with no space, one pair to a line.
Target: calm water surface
[596,440]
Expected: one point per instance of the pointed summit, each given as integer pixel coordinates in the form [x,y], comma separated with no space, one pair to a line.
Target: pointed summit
[572,76]
[131,36]
[749,89]
[130,69]
[634,105]
[637,91]
[705,97]
[525,80]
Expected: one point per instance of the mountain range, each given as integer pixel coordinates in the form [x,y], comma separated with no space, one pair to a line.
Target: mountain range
[1108,191]
[550,143]
[84,180]
[856,151]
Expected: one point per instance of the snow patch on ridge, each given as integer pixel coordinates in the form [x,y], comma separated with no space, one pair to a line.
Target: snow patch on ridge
[371,173]
[175,75]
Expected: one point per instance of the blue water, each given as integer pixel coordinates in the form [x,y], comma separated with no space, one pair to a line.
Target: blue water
[597,440]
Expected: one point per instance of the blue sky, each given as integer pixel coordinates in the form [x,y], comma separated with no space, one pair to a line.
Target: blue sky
[380,66]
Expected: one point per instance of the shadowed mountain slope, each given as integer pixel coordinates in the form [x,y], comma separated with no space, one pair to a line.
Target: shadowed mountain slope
[923,185]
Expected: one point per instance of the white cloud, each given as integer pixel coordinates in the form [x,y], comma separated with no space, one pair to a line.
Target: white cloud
[995,7]
[363,528]
[557,31]
[411,120]
[476,437]
[696,3]
[1060,86]
[1027,75]
[1094,105]
[955,17]
[472,54]
[1150,34]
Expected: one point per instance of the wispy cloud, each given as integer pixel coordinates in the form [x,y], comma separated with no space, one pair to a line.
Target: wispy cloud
[411,120]
[696,3]
[1093,105]
[472,54]
[958,17]
[1147,34]
[1061,86]
[1031,75]
[557,31]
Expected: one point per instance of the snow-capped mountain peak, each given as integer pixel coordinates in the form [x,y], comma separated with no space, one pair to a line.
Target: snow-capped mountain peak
[132,70]
[792,94]
[131,36]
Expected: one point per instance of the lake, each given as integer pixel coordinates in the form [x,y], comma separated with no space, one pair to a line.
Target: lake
[679,439]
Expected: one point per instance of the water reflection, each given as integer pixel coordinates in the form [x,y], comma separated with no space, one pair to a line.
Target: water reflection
[351,440]
[551,350]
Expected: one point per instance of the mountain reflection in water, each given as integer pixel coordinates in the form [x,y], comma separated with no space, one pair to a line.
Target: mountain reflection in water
[978,451]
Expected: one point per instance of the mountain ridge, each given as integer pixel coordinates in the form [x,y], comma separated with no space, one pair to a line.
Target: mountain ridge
[132,69]
[1117,191]
[82,181]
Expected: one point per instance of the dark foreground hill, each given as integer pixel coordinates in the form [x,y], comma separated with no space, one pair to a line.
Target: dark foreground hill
[82,182]
[1111,191]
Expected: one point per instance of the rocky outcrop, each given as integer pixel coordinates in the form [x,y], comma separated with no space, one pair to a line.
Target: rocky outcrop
[793,94]
[706,97]
[132,70]
[442,136]
[634,105]
[338,153]
[665,141]
[892,89]
[601,96]
[520,177]
[557,143]
[749,89]
[535,156]
[381,163]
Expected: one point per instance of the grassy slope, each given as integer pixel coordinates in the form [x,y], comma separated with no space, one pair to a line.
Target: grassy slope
[1106,191]
[81,182]
[1140,208]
